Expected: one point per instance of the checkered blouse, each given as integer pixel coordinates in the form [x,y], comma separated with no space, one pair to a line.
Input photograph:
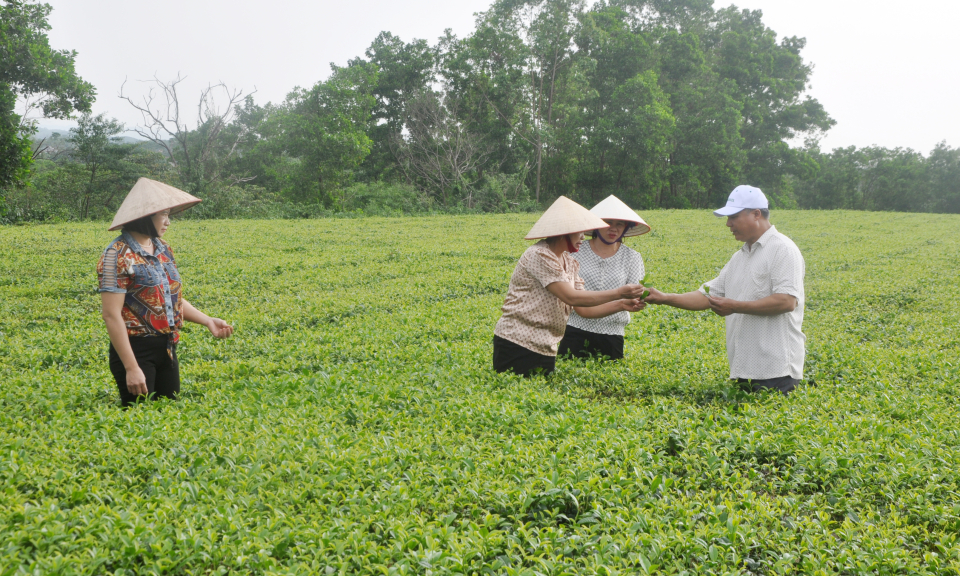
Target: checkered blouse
[624,267]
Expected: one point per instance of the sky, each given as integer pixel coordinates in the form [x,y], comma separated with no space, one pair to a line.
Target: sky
[887,71]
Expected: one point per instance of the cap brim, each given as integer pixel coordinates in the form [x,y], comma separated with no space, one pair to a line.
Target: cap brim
[728,211]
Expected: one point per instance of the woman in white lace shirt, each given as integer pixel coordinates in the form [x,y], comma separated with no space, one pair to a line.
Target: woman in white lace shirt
[606,264]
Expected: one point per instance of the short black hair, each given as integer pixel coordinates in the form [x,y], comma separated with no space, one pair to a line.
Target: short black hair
[142,226]
[765,212]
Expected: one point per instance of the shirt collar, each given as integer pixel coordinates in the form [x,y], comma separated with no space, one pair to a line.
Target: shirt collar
[544,247]
[762,239]
[136,247]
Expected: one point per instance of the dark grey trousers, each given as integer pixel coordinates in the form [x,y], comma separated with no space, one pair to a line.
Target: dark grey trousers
[783,385]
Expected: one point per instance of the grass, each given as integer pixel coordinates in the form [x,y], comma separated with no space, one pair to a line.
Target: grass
[353,424]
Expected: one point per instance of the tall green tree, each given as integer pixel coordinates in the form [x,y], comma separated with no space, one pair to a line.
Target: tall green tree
[484,73]
[538,35]
[770,79]
[403,71]
[943,174]
[326,131]
[623,124]
[29,67]
[96,147]
[706,153]
[837,183]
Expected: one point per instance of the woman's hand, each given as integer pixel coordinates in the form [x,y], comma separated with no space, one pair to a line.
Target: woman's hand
[136,382]
[631,291]
[634,305]
[219,328]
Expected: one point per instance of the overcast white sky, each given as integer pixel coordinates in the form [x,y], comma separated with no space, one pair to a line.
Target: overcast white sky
[887,71]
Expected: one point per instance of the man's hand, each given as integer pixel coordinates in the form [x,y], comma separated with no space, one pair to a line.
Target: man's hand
[655,296]
[723,306]
[219,328]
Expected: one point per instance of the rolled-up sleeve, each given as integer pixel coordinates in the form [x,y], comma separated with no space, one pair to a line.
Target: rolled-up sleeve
[542,267]
[787,271]
[718,286]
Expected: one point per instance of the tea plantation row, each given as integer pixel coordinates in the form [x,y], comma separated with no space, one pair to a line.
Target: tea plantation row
[353,424]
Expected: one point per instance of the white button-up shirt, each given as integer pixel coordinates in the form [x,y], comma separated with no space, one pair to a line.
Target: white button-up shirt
[761,347]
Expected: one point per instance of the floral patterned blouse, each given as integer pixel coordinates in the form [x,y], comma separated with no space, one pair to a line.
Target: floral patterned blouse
[153,305]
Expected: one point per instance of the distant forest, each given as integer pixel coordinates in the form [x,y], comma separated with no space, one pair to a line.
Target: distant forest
[665,103]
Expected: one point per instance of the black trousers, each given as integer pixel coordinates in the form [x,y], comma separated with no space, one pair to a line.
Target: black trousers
[783,385]
[161,371]
[583,344]
[522,361]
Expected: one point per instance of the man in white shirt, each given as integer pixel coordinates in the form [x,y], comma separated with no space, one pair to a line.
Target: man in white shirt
[760,294]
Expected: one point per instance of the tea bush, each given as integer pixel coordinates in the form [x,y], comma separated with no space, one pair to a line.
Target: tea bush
[353,425]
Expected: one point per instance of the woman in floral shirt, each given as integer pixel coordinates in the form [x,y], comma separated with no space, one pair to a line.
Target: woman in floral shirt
[141,297]
[545,287]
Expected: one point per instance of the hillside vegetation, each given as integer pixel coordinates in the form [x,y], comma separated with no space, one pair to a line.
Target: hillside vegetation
[665,103]
[353,425]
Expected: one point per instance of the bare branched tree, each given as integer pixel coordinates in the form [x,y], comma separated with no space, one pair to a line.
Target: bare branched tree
[193,145]
[438,152]
[30,110]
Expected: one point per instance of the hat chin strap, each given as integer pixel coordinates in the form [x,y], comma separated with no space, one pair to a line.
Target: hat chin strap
[600,236]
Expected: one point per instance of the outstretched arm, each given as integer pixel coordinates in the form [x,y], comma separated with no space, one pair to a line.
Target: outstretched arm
[771,305]
[609,308]
[688,301]
[216,326]
[586,298]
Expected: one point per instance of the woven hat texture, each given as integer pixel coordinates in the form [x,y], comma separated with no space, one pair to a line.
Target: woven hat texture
[612,208]
[564,216]
[149,197]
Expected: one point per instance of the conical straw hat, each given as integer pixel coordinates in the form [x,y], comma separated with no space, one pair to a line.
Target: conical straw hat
[612,208]
[149,197]
[564,217]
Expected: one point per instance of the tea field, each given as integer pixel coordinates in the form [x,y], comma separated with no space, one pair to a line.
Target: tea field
[353,424]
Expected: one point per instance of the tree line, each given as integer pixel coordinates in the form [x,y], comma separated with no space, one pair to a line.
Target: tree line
[665,103]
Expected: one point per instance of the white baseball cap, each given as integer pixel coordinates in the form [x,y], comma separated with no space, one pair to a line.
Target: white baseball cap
[743,198]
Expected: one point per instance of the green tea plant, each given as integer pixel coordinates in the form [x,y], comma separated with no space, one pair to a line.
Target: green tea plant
[354,425]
